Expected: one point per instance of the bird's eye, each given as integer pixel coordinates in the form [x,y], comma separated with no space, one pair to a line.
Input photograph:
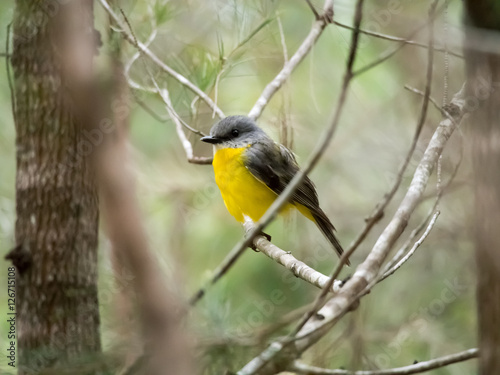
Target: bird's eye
[235,132]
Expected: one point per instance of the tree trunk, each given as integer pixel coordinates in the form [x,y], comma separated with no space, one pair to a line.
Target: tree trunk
[483,69]
[56,198]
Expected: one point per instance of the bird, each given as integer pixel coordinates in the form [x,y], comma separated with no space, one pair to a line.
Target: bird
[251,170]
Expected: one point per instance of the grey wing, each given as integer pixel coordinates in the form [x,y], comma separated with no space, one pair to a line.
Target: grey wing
[275,165]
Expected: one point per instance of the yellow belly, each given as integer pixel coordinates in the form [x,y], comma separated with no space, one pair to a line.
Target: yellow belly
[243,194]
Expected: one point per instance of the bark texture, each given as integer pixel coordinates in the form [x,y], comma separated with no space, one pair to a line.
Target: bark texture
[56,197]
[483,69]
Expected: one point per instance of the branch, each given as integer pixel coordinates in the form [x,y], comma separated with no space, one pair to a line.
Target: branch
[287,260]
[433,101]
[398,39]
[416,245]
[284,197]
[417,368]
[167,69]
[273,86]
[391,53]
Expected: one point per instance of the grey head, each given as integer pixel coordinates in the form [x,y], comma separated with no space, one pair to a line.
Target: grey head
[235,132]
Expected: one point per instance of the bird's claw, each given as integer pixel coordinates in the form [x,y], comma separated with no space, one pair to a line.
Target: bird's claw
[267,236]
[263,234]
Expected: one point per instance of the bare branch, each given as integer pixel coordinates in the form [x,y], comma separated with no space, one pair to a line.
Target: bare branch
[398,39]
[391,53]
[421,93]
[167,69]
[272,87]
[416,368]
[287,260]
[416,245]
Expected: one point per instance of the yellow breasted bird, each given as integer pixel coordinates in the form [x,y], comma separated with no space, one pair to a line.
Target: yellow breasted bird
[251,170]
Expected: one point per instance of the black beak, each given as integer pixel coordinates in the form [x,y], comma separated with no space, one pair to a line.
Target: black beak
[212,140]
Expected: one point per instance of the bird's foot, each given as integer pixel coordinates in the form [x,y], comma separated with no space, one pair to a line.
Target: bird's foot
[344,281]
[263,234]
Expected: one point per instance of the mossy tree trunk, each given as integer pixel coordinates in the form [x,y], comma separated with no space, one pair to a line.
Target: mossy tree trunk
[56,197]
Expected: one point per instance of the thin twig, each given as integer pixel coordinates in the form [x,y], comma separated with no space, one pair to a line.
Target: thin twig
[282,39]
[416,245]
[283,198]
[392,52]
[414,233]
[421,93]
[398,39]
[188,148]
[272,87]
[416,368]
[250,36]
[286,135]
[167,69]
[313,9]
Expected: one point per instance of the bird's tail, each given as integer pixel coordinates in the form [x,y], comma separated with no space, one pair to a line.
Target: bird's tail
[327,228]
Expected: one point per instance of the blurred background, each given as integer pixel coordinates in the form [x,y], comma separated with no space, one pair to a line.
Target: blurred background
[231,50]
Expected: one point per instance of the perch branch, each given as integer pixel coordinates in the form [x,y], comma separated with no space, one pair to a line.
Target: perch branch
[287,260]
[416,368]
